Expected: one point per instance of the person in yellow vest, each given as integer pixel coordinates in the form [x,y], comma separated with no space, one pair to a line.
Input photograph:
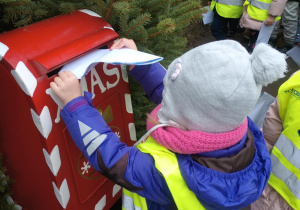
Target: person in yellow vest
[257,12]
[281,130]
[201,150]
[227,14]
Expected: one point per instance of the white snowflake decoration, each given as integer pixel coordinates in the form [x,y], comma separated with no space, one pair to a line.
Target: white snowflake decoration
[85,168]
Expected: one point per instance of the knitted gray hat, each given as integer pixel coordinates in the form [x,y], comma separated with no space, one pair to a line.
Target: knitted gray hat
[213,87]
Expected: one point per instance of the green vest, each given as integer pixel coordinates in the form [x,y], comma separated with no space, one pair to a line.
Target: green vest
[258,9]
[167,164]
[285,156]
[228,8]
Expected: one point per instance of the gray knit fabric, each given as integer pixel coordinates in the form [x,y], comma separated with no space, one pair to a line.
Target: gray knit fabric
[212,88]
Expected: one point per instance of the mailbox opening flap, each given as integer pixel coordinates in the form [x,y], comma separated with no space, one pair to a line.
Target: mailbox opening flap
[49,44]
[50,62]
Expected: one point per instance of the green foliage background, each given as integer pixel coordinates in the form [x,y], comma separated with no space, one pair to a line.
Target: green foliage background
[160,27]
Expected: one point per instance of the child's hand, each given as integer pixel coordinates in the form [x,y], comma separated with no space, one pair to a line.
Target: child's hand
[298,44]
[66,86]
[123,42]
[270,20]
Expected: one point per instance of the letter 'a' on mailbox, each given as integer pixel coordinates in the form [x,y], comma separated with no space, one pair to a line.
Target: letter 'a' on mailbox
[38,152]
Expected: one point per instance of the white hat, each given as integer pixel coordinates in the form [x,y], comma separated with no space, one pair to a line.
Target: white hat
[213,87]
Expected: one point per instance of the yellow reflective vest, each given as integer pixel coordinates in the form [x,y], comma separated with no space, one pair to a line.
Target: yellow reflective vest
[285,156]
[167,164]
[258,9]
[228,8]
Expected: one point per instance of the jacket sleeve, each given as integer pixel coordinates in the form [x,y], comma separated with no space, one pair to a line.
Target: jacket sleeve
[124,165]
[150,77]
[272,126]
[277,7]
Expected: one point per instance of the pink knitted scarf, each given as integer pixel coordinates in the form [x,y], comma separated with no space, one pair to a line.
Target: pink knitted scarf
[192,142]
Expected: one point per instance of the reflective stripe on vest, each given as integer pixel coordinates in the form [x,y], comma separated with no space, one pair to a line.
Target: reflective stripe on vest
[285,174]
[285,156]
[228,8]
[167,164]
[132,201]
[231,2]
[258,9]
[260,4]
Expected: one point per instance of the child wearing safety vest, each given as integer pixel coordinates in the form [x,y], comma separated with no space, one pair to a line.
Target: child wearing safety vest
[281,130]
[227,14]
[201,150]
[257,12]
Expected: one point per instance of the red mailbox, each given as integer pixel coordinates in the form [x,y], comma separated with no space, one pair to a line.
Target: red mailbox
[38,152]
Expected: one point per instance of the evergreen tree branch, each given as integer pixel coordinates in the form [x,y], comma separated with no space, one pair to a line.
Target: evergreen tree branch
[138,22]
[109,10]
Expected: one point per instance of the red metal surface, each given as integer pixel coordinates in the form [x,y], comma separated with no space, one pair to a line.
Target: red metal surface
[49,45]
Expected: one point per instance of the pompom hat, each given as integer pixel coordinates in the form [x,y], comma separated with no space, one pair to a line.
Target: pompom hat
[212,88]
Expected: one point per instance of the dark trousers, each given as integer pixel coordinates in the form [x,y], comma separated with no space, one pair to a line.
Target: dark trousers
[253,35]
[219,26]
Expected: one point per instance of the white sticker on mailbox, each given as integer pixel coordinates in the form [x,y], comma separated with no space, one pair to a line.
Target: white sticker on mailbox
[62,194]
[25,78]
[42,122]
[128,103]
[116,189]
[50,92]
[89,12]
[3,50]
[53,160]
[101,204]
[132,131]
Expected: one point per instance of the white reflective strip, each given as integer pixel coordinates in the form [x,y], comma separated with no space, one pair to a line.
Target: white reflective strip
[231,2]
[95,144]
[289,150]
[91,136]
[259,4]
[286,176]
[127,203]
[83,128]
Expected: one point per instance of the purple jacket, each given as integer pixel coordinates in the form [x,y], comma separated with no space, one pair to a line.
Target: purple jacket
[230,178]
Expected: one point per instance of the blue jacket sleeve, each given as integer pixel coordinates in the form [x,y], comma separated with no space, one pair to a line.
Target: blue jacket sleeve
[126,166]
[150,77]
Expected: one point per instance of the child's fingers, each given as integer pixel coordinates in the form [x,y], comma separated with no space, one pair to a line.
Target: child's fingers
[118,44]
[114,44]
[53,86]
[123,42]
[69,73]
[58,81]
[63,75]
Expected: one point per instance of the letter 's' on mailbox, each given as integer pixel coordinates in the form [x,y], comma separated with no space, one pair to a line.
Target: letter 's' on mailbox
[38,152]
